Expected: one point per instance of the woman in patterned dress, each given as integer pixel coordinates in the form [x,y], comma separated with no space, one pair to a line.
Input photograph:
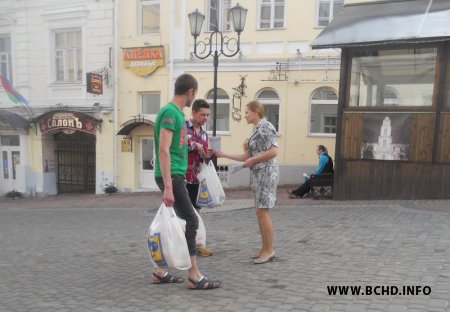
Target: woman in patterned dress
[259,155]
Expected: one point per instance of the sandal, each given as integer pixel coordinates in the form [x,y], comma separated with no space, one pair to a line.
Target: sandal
[167,278]
[204,283]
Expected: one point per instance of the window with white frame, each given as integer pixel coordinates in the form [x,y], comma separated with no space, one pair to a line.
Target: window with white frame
[5,57]
[271,14]
[218,16]
[151,103]
[68,56]
[323,111]
[223,111]
[150,16]
[271,102]
[327,10]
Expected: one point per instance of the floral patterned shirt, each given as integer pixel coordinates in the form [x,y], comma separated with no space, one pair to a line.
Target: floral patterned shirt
[194,158]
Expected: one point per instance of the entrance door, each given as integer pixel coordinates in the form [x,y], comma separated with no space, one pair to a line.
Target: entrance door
[75,161]
[10,160]
[147,164]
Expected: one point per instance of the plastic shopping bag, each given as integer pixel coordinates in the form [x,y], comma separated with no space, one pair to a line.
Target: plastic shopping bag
[200,238]
[167,244]
[210,191]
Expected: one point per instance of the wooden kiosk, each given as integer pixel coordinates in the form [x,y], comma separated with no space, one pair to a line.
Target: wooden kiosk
[393,132]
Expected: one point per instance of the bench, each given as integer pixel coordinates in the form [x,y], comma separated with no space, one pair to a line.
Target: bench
[322,185]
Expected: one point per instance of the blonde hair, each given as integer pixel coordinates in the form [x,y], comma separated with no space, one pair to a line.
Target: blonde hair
[256,106]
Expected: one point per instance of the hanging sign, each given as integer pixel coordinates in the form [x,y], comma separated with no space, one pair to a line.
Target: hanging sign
[143,61]
[67,121]
[94,83]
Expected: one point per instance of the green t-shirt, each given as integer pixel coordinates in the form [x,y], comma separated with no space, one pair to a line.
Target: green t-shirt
[171,117]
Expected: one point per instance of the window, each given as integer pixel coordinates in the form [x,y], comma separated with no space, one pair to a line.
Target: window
[150,103]
[9,140]
[150,16]
[390,96]
[323,111]
[5,57]
[68,56]
[393,77]
[271,102]
[329,124]
[327,10]
[218,15]
[5,165]
[223,111]
[271,14]
[147,154]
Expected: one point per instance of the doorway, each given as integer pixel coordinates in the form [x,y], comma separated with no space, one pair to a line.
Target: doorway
[147,171]
[10,155]
[75,162]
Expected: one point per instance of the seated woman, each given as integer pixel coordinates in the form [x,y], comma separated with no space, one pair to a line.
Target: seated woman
[325,166]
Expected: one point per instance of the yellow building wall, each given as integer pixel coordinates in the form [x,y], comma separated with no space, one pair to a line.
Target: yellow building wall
[130,86]
[296,145]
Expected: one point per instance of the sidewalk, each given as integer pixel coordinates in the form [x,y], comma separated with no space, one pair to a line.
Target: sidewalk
[235,199]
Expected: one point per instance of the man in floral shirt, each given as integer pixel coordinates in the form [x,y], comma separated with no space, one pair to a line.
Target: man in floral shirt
[198,153]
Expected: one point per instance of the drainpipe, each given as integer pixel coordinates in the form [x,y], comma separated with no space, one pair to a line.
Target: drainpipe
[171,43]
[116,87]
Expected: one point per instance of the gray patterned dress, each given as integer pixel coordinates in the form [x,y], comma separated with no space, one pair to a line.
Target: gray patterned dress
[263,176]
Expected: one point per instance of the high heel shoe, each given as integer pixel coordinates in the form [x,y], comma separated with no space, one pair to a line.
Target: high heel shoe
[269,258]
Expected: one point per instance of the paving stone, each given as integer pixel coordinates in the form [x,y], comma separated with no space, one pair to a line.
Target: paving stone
[68,258]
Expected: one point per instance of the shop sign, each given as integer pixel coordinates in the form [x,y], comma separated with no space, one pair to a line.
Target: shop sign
[67,121]
[143,61]
[94,83]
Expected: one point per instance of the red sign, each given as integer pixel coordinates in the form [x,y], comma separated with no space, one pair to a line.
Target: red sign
[68,120]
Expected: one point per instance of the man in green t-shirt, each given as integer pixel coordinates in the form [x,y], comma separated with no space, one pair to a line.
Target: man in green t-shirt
[170,170]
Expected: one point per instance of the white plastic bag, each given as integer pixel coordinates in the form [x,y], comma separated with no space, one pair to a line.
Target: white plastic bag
[167,244]
[200,238]
[210,192]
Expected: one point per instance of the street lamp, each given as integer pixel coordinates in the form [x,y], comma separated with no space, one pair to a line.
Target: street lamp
[218,43]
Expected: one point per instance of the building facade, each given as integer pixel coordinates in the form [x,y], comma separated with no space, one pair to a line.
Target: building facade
[59,138]
[66,138]
[298,86]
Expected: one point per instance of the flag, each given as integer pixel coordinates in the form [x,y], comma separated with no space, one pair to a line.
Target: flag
[12,93]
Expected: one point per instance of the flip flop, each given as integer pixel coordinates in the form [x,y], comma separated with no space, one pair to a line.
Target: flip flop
[204,283]
[167,278]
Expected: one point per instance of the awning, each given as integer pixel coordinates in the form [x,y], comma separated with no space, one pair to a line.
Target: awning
[59,120]
[132,124]
[384,22]
[13,121]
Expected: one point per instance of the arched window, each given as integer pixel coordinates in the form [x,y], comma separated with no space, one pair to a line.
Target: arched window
[223,111]
[323,111]
[271,103]
[390,96]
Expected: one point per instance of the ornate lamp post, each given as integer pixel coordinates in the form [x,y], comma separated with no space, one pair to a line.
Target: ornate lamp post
[217,44]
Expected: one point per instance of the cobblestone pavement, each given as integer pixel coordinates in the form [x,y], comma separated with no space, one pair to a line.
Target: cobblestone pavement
[88,253]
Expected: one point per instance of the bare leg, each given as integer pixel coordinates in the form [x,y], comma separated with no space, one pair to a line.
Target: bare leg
[266,230]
